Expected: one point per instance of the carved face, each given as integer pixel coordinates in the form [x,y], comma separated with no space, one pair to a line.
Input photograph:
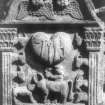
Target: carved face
[63,3]
[37,2]
[60,69]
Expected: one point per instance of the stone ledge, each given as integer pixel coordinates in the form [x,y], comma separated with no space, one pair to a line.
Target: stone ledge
[51,22]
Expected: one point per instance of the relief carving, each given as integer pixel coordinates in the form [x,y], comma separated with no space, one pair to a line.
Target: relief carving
[44,10]
[41,74]
[61,64]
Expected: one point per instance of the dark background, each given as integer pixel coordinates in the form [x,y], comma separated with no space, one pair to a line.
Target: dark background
[5,4]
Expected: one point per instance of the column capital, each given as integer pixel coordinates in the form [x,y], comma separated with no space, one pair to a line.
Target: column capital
[93,38]
[7,36]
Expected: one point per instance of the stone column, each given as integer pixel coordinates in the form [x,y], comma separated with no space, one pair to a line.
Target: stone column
[93,45]
[7,36]
[93,69]
[7,82]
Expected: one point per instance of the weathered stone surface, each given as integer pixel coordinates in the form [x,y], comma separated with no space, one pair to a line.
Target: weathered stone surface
[51,55]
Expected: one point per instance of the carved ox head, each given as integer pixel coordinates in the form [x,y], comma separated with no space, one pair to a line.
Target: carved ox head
[51,49]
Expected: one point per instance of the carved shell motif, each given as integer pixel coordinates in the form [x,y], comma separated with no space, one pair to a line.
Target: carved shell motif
[51,49]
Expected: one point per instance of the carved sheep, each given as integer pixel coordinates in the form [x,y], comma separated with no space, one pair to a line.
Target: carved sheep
[62,87]
[23,91]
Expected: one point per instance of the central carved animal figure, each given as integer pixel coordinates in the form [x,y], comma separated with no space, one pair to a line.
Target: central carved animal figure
[61,87]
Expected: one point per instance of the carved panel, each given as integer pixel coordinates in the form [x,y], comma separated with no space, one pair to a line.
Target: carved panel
[95,45]
[51,60]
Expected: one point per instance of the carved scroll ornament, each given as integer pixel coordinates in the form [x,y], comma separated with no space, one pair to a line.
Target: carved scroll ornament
[44,10]
[51,48]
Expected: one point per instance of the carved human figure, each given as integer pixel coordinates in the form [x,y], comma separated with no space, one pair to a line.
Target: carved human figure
[80,81]
[69,7]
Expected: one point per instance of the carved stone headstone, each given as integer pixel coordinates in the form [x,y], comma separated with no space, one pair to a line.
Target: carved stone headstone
[50,54]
